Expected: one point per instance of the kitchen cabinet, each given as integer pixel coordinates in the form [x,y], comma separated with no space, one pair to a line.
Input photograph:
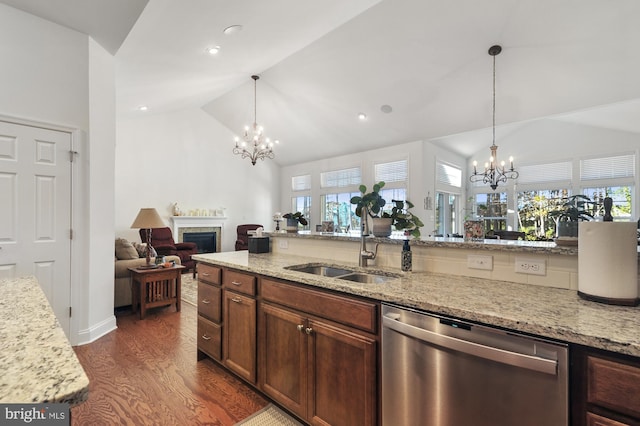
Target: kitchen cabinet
[318,354]
[606,388]
[209,312]
[239,318]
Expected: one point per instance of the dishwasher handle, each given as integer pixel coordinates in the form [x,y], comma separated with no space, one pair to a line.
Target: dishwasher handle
[542,365]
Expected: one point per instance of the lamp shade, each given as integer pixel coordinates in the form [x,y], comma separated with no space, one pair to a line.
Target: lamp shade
[148,218]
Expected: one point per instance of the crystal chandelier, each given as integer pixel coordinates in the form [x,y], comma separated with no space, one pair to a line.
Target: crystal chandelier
[494,173]
[254,145]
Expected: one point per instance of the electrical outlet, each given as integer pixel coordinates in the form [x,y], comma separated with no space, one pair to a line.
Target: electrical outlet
[475,261]
[283,243]
[531,266]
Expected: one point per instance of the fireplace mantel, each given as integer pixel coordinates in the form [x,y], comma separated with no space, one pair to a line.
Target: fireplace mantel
[213,223]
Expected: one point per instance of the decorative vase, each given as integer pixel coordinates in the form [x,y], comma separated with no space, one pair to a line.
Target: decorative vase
[292,226]
[381,226]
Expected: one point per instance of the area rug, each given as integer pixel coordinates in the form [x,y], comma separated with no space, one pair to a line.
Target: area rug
[269,416]
[189,290]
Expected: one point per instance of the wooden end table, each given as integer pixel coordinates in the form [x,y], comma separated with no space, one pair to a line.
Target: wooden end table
[155,287]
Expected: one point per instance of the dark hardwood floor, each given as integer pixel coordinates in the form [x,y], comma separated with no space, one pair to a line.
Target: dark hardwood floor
[146,373]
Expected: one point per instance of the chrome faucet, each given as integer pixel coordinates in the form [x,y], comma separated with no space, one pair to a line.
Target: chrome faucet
[364,232]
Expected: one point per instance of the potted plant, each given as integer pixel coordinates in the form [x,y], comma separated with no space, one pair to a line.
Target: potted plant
[294,220]
[574,210]
[404,220]
[369,205]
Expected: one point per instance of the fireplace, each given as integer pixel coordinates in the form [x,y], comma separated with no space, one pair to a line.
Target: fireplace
[211,227]
[206,241]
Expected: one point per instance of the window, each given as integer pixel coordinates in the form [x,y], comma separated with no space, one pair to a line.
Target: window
[301,183]
[617,167]
[340,178]
[447,174]
[338,208]
[491,208]
[302,204]
[395,171]
[621,196]
[533,212]
[446,217]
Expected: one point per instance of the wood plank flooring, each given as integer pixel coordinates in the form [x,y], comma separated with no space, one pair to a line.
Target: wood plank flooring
[146,373]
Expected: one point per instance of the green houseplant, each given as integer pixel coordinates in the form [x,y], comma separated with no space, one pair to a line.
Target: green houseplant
[576,208]
[294,220]
[370,204]
[404,220]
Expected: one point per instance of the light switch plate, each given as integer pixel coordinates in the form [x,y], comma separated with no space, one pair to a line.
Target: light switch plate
[475,261]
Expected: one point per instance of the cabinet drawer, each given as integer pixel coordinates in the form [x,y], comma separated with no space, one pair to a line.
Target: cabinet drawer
[356,313]
[237,281]
[596,420]
[210,274]
[210,301]
[210,338]
[614,385]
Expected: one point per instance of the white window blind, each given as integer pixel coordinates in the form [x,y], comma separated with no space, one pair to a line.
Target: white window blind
[301,183]
[395,171]
[620,166]
[340,178]
[448,175]
[549,172]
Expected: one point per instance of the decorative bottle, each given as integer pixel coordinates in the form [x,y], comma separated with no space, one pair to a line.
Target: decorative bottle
[406,257]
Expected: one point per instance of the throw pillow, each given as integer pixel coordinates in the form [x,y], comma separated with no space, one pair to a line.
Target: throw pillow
[141,248]
[125,250]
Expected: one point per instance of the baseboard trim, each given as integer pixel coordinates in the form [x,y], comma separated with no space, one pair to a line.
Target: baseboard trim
[97,331]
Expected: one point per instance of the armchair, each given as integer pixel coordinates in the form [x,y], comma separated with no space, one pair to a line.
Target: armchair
[242,240]
[162,242]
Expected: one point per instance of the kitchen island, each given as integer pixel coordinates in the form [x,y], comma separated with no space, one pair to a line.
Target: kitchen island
[554,313]
[37,362]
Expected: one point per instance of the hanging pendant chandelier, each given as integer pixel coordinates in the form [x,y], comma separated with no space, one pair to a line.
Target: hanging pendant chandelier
[254,144]
[494,172]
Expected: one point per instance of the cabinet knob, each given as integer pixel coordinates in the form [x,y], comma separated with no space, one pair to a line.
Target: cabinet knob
[300,327]
[205,337]
[308,330]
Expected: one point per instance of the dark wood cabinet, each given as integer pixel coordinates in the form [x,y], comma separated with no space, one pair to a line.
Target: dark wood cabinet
[320,369]
[239,348]
[606,388]
[209,312]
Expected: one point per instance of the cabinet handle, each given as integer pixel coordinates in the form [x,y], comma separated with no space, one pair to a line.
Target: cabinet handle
[308,330]
[300,327]
[235,299]
[235,283]
[204,273]
[205,337]
[206,301]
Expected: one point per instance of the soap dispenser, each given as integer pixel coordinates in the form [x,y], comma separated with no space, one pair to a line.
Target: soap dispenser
[406,261]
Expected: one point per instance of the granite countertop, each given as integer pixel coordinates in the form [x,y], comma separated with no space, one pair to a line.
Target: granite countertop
[548,312]
[37,362]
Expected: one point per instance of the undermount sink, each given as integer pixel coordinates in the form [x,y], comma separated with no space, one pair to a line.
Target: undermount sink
[325,271]
[343,274]
[361,277]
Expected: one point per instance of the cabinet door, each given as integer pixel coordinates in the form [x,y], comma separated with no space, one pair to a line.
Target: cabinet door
[239,347]
[343,376]
[283,360]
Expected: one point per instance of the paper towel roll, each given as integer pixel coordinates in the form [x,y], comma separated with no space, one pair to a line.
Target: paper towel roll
[608,262]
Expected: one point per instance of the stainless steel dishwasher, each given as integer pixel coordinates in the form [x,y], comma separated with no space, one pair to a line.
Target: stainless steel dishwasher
[438,371]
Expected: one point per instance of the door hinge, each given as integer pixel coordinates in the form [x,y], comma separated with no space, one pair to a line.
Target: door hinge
[72,155]
[69,311]
[71,234]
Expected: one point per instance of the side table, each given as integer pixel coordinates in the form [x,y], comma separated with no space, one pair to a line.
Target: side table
[155,287]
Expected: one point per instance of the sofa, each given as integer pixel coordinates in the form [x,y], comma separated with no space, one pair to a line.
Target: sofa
[129,255]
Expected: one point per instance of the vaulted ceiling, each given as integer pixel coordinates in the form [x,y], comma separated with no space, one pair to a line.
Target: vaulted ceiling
[323,63]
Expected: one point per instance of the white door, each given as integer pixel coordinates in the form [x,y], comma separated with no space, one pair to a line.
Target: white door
[35,210]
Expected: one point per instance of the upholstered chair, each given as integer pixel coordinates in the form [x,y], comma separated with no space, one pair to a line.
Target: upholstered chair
[242,240]
[163,243]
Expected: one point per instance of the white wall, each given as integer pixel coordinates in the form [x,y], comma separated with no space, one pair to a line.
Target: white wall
[46,75]
[186,157]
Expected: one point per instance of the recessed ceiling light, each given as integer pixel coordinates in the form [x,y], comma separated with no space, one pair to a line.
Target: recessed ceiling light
[232,29]
[386,109]
[143,108]
[213,50]
[362,116]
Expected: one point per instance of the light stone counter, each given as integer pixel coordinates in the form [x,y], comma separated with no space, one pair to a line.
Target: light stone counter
[36,360]
[549,312]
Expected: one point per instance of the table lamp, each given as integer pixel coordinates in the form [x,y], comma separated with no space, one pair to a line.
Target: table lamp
[148,218]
